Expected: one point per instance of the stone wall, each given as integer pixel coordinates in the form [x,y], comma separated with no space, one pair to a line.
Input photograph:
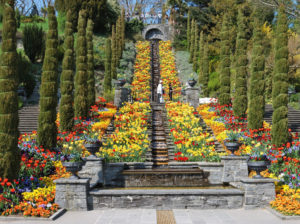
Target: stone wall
[235,168]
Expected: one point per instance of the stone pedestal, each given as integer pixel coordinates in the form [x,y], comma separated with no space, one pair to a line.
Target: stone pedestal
[72,194]
[235,168]
[93,170]
[121,96]
[192,96]
[258,192]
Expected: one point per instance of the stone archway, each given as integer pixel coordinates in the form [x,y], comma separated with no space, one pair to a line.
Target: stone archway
[154,34]
[157,31]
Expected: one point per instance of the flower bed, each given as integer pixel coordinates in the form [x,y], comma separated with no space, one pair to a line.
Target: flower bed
[33,193]
[192,143]
[142,76]
[285,160]
[168,70]
[129,142]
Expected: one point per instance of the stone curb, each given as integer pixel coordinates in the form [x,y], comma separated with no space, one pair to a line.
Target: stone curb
[53,217]
[281,216]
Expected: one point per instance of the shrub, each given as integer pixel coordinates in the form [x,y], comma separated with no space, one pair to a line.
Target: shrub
[33,41]
[213,83]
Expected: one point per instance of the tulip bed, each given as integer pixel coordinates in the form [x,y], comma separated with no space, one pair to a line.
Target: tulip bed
[33,193]
[285,160]
[129,142]
[192,143]
[142,76]
[168,70]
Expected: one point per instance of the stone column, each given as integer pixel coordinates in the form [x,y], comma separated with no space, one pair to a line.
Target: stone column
[258,192]
[72,194]
[121,96]
[235,168]
[192,96]
[93,170]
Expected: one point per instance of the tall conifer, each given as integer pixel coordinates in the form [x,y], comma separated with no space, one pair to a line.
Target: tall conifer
[192,41]
[9,152]
[67,78]
[107,78]
[195,52]
[205,71]
[200,56]
[257,83]
[80,102]
[47,129]
[280,82]
[113,54]
[224,98]
[188,33]
[123,26]
[240,102]
[90,64]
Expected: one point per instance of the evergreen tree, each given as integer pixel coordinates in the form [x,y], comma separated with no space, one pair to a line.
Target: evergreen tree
[113,54]
[47,129]
[280,82]
[257,83]
[240,102]
[118,40]
[195,52]
[200,56]
[123,25]
[205,69]
[67,79]
[188,34]
[107,78]
[80,102]
[90,64]
[9,152]
[224,98]
[192,41]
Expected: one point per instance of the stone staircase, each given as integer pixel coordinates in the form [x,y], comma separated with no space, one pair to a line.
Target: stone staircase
[28,118]
[293,117]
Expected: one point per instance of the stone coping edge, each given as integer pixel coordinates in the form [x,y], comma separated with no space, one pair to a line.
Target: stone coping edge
[53,217]
[282,216]
[234,157]
[257,181]
[71,181]
[228,192]
[170,164]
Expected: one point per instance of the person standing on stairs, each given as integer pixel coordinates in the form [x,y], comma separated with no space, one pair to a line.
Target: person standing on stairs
[170,92]
[160,92]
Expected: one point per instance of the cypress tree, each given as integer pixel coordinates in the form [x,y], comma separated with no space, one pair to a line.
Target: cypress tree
[123,25]
[205,69]
[67,78]
[200,56]
[113,54]
[9,152]
[195,52]
[240,102]
[80,102]
[192,41]
[47,129]
[257,83]
[188,34]
[90,64]
[107,78]
[280,82]
[118,40]
[224,98]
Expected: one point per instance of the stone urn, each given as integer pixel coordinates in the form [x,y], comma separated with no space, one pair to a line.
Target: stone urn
[92,148]
[232,146]
[258,166]
[192,82]
[120,82]
[73,167]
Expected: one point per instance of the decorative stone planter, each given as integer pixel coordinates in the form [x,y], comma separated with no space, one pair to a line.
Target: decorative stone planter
[232,146]
[92,148]
[192,82]
[258,166]
[73,167]
[120,82]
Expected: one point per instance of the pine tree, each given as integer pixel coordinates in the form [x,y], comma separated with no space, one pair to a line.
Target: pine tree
[113,54]
[107,78]
[80,102]
[240,102]
[280,82]
[224,98]
[188,34]
[47,129]
[200,56]
[9,152]
[257,83]
[67,79]
[205,69]
[195,52]
[90,64]
[192,41]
